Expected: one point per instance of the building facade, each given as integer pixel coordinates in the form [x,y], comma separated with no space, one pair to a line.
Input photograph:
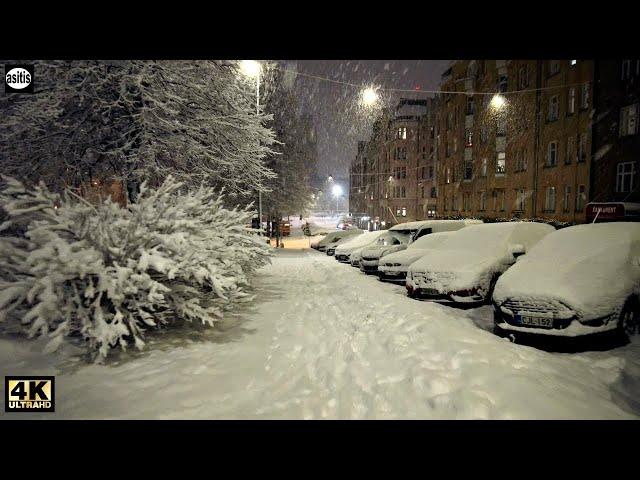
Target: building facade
[514,139]
[393,173]
[507,139]
[616,142]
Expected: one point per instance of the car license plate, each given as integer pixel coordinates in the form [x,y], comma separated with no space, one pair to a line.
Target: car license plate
[535,321]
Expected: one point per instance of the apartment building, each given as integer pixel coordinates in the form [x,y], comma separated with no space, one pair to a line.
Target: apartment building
[396,168]
[513,139]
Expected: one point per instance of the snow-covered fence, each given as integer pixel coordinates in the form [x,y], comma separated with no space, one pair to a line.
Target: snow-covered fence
[105,274]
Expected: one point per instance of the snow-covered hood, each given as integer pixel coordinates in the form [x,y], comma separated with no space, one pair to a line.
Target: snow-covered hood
[593,285]
[382,250]
[459,269]
[404,257]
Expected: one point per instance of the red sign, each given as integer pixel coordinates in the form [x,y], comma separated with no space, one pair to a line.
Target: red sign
[604,211]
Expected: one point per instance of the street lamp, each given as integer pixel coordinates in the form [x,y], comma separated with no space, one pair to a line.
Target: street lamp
[337,191]
[369,97]
[253,69]
[498,102]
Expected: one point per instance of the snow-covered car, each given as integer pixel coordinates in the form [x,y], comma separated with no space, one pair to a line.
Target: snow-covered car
[405,233]
[466,267]
[344,251]
[393,267]
[332,237]
[576,281]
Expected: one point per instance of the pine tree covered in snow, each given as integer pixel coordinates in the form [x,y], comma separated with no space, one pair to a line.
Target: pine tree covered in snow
[137,120]
[107,274]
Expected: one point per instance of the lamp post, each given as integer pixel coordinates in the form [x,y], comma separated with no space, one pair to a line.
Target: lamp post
[252,69]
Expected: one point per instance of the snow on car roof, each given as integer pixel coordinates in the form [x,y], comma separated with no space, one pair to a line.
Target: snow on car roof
[425,223]
[489,235]
[431,241]
[587,239]
[363,240]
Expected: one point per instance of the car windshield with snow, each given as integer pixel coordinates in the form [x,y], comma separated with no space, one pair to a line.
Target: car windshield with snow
[402,236]
[466,267]
[334,237]
[393,267]
[343,252]
[579,280]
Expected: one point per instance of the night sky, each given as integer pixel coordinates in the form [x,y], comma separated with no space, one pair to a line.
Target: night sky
[339,120]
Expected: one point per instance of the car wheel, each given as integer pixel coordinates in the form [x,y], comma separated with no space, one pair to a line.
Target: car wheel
[629,317]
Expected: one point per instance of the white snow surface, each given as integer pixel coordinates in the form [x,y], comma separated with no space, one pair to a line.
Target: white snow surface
[323,341]
[588,267]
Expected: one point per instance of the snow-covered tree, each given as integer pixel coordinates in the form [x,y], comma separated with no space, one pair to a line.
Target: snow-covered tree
[137,120]
[106,274]
[296,154]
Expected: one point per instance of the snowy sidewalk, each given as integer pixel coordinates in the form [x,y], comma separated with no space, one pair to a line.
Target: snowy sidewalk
[324,341]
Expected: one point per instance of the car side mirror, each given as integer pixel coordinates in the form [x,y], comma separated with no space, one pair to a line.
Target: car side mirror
[517,250]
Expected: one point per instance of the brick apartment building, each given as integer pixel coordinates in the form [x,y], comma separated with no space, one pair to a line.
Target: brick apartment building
[507,139]
[524,154]
[392,178]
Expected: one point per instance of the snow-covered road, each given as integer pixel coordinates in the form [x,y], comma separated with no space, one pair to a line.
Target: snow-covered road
[324,341]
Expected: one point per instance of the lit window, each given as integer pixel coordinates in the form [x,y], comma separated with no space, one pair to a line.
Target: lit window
[402,133]
[404,211]
[550,200]
[626,172]
[573,62]
[629,120]
[501,163]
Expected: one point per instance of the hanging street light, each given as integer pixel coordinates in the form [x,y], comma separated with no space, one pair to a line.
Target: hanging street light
[369,97]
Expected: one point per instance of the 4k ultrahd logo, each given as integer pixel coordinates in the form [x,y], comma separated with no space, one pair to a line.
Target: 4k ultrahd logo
[18,78]
[29,394]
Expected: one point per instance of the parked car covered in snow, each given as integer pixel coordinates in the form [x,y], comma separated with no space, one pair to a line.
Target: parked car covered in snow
[579,280]
[402,236]
[393,267]
[466,267]
[336,236]
[343,252]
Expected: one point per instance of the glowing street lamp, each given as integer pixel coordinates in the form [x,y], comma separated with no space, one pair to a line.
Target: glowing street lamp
[369,97]
[498,102]
[250,68]
[337,192]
